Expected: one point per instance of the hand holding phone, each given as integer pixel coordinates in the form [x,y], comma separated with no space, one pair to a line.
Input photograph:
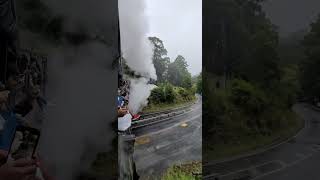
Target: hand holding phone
[18,170]
[24,144]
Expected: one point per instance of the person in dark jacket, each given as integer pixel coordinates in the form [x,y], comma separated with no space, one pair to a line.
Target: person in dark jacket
[8,33]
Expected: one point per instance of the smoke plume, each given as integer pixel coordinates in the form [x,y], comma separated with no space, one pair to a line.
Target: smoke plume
[137,50]
[136,47]
[140,90]
[78,122]
[81,85]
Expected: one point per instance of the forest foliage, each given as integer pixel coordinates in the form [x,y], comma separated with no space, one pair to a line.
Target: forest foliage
[249,88]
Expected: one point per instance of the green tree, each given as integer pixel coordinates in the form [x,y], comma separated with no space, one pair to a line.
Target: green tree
[241,45]
[178,73]
[199,84]
[310,67]
[241,41]
[160,59]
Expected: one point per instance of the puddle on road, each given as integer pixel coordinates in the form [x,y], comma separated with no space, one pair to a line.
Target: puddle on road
[184,125]
[143,140]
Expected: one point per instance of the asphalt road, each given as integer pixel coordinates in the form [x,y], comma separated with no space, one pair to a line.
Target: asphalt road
[294,160]
[175,141]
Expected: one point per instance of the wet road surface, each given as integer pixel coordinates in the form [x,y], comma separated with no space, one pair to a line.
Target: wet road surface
[294,160]
[175,141]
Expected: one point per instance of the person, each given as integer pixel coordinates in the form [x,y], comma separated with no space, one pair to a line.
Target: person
[122,101]
[8,33]
[31,108]
[8,17]
[126,140]
[9,121]
[21,169]
[124,119]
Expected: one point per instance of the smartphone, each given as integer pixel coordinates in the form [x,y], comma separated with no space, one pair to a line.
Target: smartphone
[24,144]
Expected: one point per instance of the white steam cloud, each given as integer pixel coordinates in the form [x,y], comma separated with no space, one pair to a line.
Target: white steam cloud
[137,50]
[136,47]
[81,85]
[140,90]
[78,123]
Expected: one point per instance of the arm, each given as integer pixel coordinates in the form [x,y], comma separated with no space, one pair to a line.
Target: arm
[122,112]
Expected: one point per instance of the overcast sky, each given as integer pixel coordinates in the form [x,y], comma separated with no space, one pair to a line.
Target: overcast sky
[178,23]
[292,15]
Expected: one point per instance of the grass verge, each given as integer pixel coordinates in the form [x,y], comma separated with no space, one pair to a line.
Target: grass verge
[163,107]
[190,171]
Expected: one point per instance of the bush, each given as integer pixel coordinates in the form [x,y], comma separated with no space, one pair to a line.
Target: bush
[243,110]
[248,97]
[189,171]
[164,93]
[167,94]
[183,93]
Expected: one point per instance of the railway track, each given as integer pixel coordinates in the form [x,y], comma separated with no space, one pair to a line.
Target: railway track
[153,114]
[161,116]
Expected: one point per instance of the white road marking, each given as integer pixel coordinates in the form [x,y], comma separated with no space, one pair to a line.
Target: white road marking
[252,167]
[284,167]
